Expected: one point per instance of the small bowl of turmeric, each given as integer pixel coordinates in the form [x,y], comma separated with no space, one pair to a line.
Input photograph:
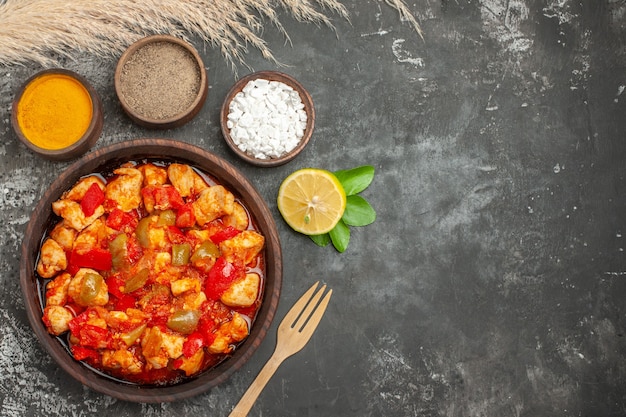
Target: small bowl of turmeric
[57,114]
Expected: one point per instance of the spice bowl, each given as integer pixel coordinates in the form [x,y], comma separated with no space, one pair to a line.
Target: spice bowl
[161,82]
[57,114]
[267,118]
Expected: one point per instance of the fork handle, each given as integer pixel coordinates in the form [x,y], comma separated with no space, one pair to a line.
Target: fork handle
[247,401]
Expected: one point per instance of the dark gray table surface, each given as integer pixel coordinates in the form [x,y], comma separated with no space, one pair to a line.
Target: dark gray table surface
[493,282]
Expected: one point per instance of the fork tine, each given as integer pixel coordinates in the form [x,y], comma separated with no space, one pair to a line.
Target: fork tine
[316,317]
[293,314]
[302,319]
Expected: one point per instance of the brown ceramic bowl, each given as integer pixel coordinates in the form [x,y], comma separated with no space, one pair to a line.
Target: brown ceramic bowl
[103,160]
[308,108]
[36,90]
[161,82]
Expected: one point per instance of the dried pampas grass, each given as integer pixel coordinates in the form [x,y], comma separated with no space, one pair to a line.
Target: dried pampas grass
[37,30]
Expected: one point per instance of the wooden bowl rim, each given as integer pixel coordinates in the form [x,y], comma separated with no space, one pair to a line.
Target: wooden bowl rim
[306,98]
[89,138]
[135,150]
[179,118]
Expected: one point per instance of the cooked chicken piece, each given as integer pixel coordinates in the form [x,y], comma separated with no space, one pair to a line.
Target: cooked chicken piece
[242,293]
[80,188]
[168,275]
[173,345]
[159,361]
[238,219]
[229,333]
[162,261]
[187,181]
[152,235]
[57,319]
[73,214]
[125,189]
[56,290]
[132,322]
[213,202]
[136,315]
[194,300]
[93,236]
[122,359]
[97,316]
[244,247]
[52,259]
[115,319]
[185,284]
[199,235]
[193,364]
[153,175]
[157,236]
[151,348]
[159,347]
[64,235]
[88,288]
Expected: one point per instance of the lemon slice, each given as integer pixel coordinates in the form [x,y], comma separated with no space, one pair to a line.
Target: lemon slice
[311,201]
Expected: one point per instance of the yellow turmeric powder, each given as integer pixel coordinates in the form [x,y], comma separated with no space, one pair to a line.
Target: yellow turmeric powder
[54,111]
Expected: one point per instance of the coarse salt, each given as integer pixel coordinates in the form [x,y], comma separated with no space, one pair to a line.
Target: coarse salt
[266,119]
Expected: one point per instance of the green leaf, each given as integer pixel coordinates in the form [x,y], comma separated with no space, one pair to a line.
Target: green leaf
[358,212]
[340,236]
[321,240]
[355,180]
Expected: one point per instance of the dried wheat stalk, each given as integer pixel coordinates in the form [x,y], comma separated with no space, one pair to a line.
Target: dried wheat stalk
[38,30]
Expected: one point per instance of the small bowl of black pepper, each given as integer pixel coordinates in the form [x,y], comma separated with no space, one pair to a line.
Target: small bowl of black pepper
[161,82]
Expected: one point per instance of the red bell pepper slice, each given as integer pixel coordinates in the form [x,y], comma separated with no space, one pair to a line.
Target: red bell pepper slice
[125,302]
[177,363]
[95,258]
[71,268]
[207,327]
[209,338]
[118,219]
[193,343]
[114,283]
[228,232]
[220,278]
[175,235]
[77,323]
[167,197]
[92,199]
[185,216]
[81,353]
[93,336]
[147,193]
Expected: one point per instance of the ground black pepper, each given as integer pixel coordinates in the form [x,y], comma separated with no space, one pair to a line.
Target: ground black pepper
[160,80]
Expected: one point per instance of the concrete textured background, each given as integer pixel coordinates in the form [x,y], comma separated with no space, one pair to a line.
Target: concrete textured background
[493,281]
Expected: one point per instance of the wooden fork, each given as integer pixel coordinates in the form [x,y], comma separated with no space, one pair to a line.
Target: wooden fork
[293,333]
